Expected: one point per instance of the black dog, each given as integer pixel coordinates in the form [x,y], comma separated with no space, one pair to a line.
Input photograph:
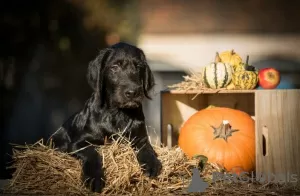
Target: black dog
[120,78]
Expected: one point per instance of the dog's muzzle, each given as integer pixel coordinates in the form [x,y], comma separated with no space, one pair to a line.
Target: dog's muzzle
[132,93]
[133,98]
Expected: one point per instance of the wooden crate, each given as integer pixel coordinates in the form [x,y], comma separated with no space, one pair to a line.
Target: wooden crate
[276,114]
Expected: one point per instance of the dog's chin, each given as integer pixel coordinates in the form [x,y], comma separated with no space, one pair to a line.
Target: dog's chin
[130,104]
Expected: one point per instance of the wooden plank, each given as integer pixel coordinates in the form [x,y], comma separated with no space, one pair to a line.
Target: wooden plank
[240,101]
[277,132]
[206,91]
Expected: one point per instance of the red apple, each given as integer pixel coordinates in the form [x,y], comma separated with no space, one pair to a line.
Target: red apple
[268,78]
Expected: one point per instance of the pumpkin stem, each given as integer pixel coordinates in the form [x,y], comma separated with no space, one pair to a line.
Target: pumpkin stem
[217,58]
[247,66]
[232,52]
[223,131]
[247,60]
[210,106]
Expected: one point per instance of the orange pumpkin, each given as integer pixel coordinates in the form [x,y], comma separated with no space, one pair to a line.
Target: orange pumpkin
[225,136]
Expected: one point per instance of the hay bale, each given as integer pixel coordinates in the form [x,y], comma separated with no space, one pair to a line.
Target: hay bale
[44,171]
[40,170]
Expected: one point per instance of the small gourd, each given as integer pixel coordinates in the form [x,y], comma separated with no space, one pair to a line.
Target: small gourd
[217,74]
[245,77]
[231,57]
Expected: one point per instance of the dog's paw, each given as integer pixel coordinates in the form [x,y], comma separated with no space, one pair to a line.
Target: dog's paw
[96,183]
[153,167]
[93,178]
[150,164]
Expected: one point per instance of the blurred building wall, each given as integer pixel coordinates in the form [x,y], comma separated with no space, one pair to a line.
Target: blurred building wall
[214,16]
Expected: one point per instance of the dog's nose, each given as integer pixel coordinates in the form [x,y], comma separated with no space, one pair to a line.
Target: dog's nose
[130,94]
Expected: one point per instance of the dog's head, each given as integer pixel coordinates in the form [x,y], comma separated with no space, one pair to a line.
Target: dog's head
[121,76]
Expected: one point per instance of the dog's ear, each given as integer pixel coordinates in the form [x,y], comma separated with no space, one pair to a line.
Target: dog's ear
[148,78]
[95,69]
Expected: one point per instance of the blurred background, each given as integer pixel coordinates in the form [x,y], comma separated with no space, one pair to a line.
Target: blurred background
[46,46]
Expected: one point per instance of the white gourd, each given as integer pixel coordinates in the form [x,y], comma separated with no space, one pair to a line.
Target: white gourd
[217,74]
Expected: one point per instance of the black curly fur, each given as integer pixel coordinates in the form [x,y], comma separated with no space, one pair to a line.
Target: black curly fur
[120,78]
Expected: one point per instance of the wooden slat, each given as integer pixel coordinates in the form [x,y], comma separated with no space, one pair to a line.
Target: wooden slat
[206,91]
[278,119]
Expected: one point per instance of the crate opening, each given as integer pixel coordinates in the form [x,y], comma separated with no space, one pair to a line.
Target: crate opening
[177,108]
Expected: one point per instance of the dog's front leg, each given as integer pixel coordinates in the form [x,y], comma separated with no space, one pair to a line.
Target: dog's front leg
[146,155]
[93,173]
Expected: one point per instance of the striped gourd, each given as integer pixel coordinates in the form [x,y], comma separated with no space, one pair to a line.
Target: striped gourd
[245,78]
[217,74]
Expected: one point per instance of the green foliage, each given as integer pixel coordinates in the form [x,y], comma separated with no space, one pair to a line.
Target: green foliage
[202,161]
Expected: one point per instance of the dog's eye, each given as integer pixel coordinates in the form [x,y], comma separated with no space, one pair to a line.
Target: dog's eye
[115,67]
